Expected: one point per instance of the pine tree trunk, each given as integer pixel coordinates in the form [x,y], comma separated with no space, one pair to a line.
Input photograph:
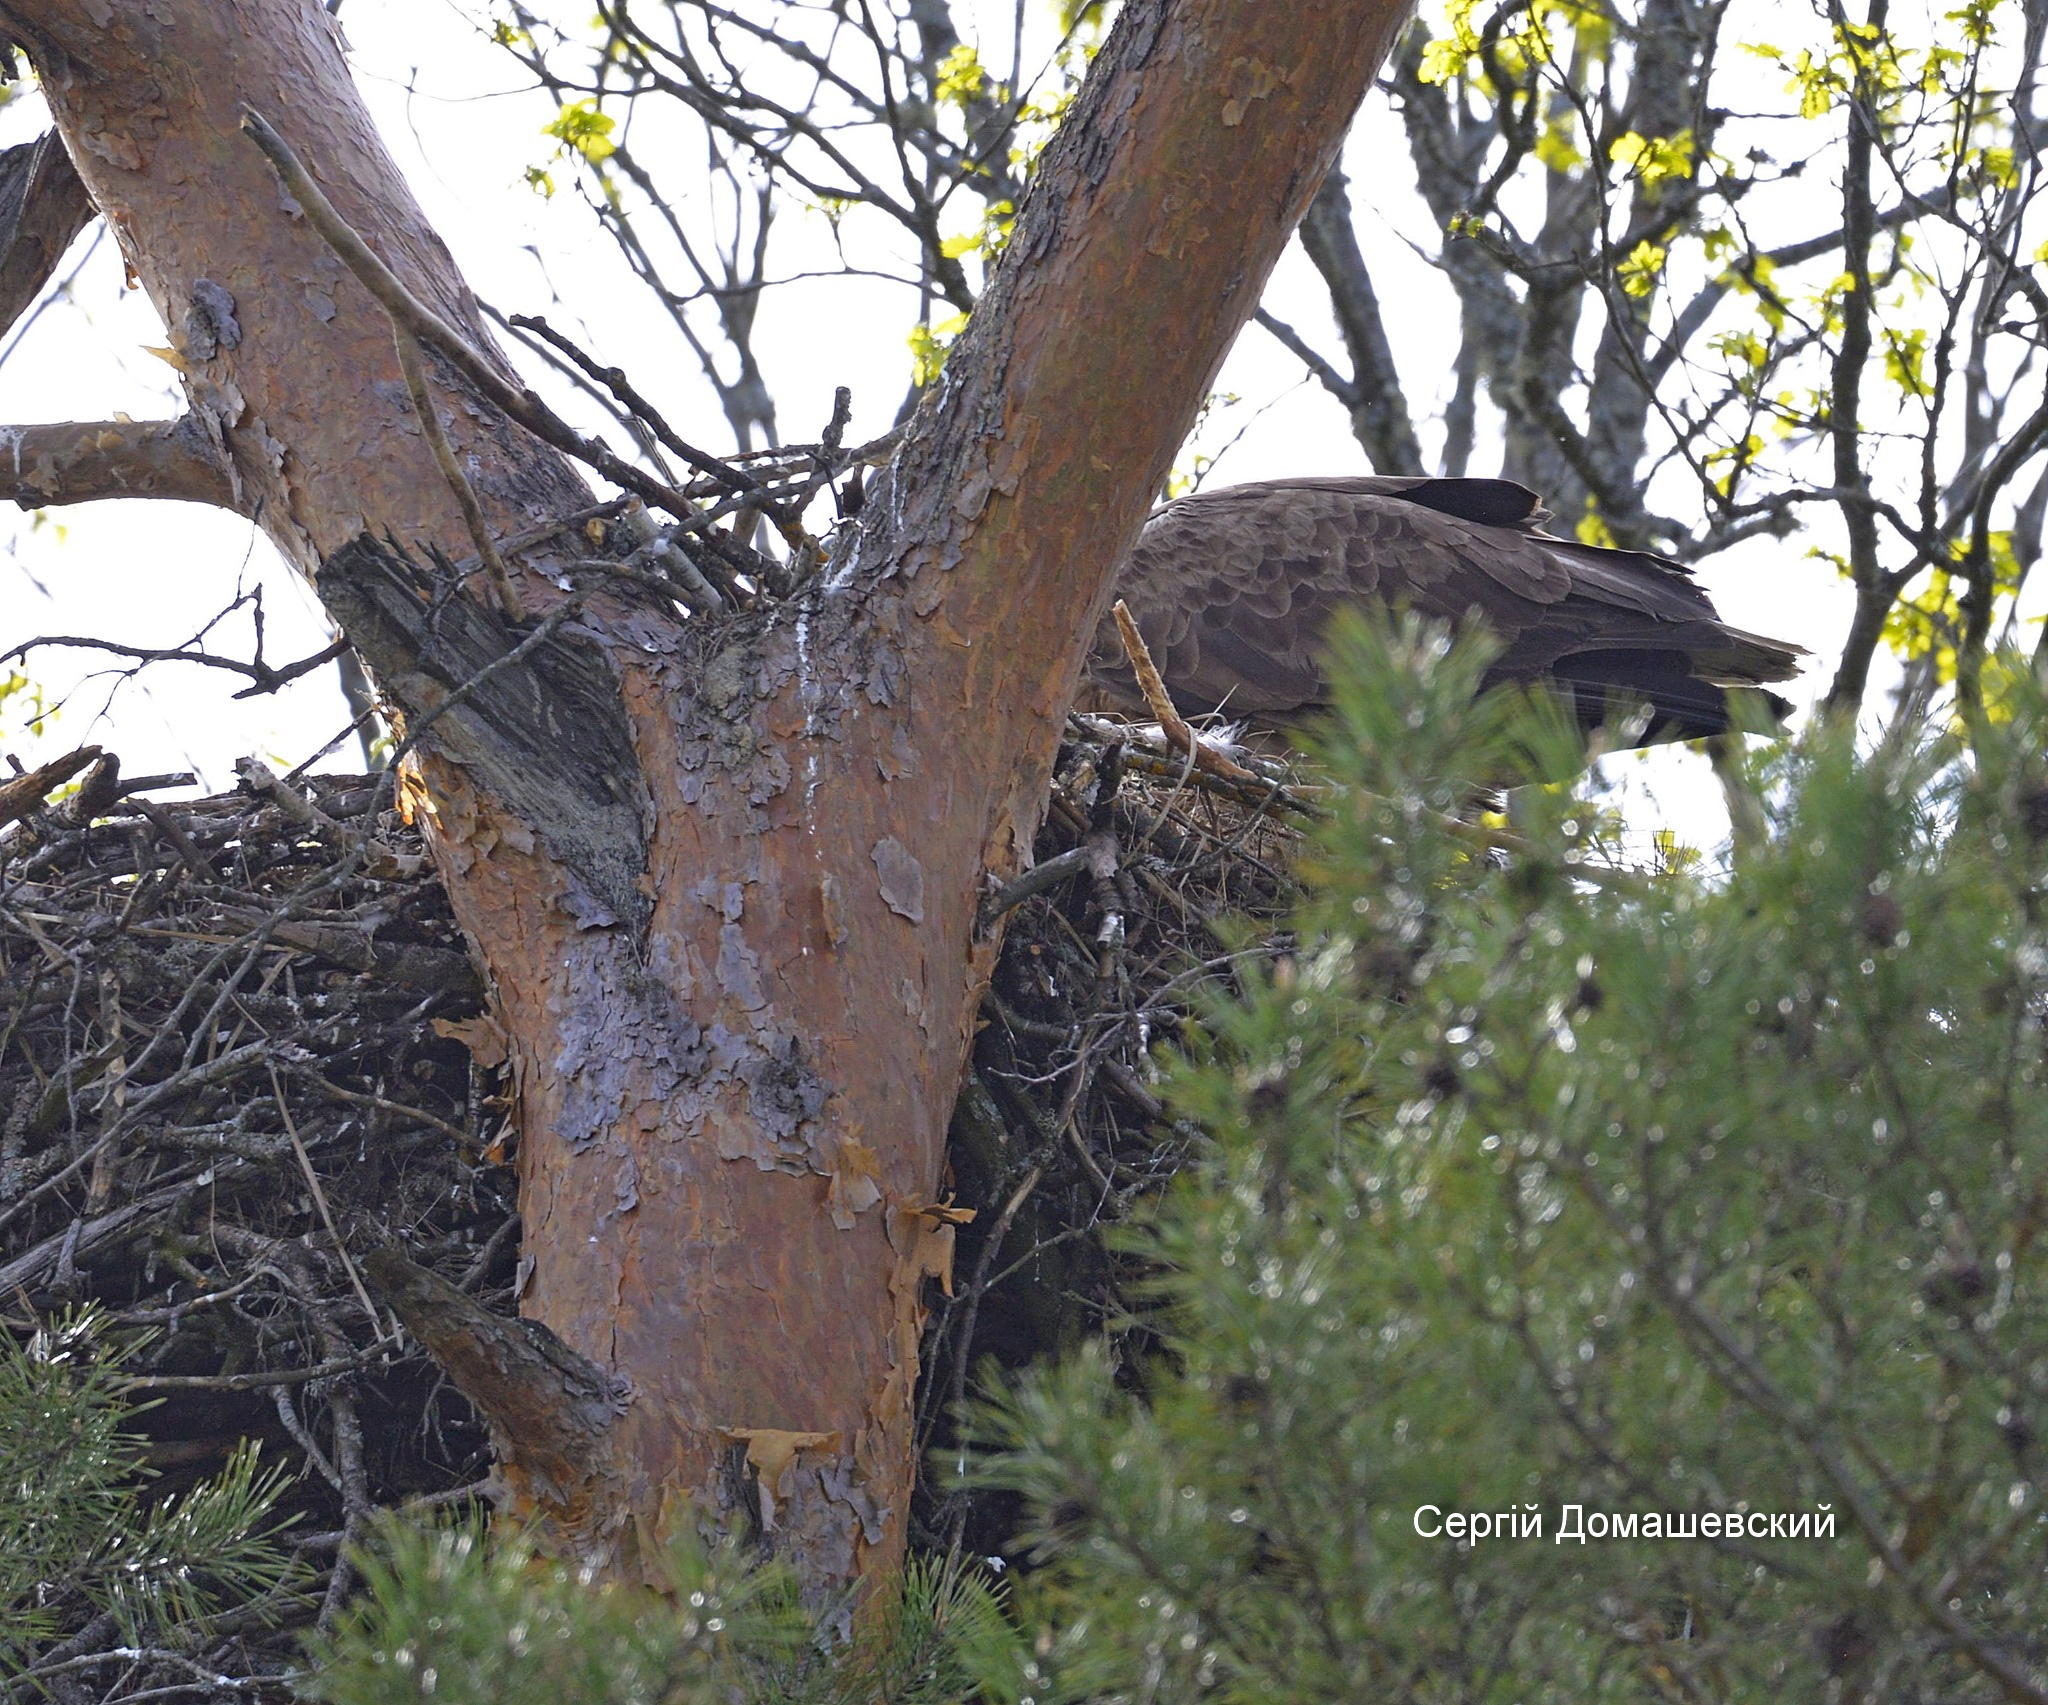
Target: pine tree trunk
[723,874]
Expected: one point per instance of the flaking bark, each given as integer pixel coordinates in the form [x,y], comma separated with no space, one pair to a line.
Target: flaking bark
[544,733]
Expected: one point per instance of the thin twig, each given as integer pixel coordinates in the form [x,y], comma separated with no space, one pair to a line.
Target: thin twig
[291,1130]
[451,470]
[614,380]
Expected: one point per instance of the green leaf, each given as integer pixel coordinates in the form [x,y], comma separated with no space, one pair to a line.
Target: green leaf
[582,129]
[1641,269]
[1555,147]
[1905,353]
[1654,159]
[928,346]
[961,78]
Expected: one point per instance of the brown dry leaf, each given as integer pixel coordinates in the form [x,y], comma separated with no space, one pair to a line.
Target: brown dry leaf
[482,1035]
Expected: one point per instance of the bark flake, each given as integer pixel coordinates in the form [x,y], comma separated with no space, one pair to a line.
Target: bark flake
[901,878]
[210,323]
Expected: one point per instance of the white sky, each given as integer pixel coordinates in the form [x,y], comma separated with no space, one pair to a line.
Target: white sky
[463,126]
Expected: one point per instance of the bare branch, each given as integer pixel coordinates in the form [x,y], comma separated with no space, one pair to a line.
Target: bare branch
[550,1410]
[80,461]
[1379,411]
[1204,757]
[451,470]
[261,676]
[1875,589]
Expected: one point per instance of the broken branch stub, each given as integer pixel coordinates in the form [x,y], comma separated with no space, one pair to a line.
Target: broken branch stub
[550,1411]
[545,733]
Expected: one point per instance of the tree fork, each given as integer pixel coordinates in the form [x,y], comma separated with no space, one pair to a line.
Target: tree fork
[738,1007]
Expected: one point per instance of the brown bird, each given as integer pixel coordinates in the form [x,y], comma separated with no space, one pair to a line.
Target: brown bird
[1233,591]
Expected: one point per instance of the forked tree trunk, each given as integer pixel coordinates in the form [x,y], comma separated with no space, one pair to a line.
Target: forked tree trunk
[723,874]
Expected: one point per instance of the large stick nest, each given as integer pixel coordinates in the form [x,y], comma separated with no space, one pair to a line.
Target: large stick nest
[235,1058]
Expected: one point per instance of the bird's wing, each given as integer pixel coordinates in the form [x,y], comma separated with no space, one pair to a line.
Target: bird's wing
[1234,591]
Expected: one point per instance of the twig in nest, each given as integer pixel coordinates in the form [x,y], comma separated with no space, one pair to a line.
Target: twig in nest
[187,849]
[1206,758]
[291,1129]
[547,530]
[662,552]
[25,793]
[1159,759]
[1048,873]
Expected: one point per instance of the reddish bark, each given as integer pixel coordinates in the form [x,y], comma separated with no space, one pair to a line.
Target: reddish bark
[724,874]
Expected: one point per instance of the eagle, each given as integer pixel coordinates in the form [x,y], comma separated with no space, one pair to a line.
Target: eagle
[1234,589]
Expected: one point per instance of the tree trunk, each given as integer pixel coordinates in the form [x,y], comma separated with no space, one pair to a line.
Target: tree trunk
[723,874]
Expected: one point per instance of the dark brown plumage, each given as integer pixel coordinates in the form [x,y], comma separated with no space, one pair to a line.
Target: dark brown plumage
[1234,589]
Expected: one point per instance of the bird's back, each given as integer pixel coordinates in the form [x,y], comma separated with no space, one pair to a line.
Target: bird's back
[1234,591]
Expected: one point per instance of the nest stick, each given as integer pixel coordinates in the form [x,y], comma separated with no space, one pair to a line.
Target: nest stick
[1182,737]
